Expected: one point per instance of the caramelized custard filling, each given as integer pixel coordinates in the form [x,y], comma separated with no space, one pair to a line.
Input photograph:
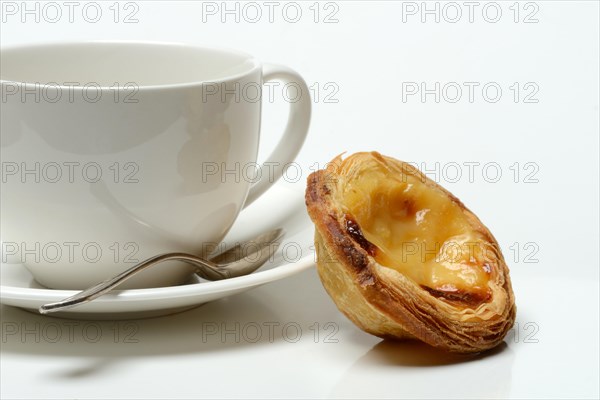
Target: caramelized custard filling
[419,231]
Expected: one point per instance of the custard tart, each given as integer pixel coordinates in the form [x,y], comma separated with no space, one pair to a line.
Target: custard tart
[403,258]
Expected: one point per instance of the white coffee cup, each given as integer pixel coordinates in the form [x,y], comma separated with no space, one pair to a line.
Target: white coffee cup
[113,152]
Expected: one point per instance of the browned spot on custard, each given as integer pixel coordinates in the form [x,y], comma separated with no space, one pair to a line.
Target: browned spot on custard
[452,293]
[403,209]
[354,231]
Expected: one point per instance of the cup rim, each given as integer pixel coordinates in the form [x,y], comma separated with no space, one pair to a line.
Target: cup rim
[254,62]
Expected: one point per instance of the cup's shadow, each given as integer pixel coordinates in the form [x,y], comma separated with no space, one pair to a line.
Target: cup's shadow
[196,330]
[199,330]
[225,325]
[292,213]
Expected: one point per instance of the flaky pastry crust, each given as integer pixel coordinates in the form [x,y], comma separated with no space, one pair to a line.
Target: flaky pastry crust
[383,301]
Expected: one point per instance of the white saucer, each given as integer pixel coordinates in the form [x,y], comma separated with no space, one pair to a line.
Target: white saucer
[282,206]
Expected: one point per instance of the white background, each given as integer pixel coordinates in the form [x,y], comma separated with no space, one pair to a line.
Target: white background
[364,61]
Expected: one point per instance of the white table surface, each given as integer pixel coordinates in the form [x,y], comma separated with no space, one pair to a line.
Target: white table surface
[368,56]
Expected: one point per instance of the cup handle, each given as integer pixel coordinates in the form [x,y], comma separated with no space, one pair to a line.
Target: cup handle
[295,131]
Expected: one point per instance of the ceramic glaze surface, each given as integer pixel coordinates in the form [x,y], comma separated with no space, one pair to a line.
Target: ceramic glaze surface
[115,152]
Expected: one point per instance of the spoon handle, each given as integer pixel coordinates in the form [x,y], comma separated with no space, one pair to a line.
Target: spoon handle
[207,270]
